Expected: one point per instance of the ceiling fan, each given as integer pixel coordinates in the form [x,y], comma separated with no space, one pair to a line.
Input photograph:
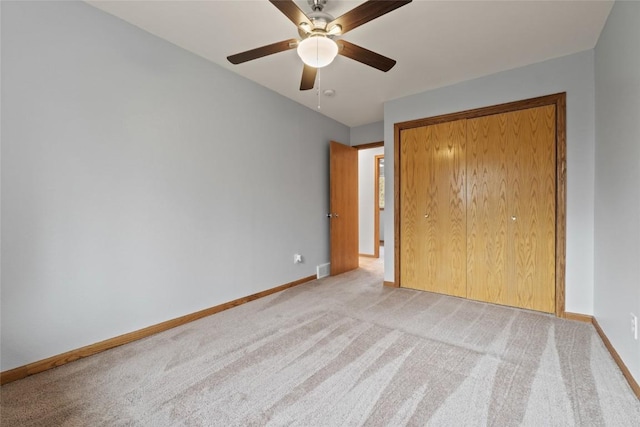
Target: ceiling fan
[317,47]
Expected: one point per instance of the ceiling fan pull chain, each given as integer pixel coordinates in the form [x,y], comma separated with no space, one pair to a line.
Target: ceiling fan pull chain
[318,91]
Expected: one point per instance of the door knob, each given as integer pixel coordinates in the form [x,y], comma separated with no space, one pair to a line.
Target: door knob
[426,215]
[513,218]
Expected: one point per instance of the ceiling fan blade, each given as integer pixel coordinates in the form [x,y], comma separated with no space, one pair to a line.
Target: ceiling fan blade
[365,56]
[291,11]
[366,12]
[308,77]
[259,52]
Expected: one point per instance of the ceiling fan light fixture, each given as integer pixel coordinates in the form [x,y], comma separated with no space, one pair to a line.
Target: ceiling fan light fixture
[317,51]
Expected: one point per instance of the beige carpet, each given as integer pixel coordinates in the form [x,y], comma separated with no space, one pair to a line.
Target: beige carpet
[341,351]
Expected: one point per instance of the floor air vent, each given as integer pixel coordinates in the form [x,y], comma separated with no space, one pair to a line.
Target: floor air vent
[323,270]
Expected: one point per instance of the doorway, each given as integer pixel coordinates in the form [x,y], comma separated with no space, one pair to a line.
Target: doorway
[370,194]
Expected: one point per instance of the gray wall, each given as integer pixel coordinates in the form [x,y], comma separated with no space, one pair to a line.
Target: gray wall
[617,180]
[366,198]
[141,182]
[573,74]
[365,134]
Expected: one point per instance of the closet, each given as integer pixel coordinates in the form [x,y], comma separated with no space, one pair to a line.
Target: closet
[477,206]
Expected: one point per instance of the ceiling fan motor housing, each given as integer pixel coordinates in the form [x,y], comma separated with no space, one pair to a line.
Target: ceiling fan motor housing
[319,21]
[317,5]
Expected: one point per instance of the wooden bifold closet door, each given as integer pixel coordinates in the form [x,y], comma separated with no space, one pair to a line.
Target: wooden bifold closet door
[433,236]
[478,208]
[511,208]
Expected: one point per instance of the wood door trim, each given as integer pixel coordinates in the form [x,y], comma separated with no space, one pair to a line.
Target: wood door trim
[397,129]
[376,205]
[484,111]
[369,145]
[561,200]
[559,100]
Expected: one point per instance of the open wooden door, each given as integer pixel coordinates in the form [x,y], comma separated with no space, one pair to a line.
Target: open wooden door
[344,207]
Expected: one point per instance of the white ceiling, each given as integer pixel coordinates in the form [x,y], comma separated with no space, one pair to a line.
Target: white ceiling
[436,43]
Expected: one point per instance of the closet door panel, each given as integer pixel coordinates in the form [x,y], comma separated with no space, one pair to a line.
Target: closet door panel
[433,208]
[487,211]
[446,207]
[413,229]
[531,201]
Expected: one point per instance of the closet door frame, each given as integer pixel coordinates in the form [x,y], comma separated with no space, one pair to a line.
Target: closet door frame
[559,100]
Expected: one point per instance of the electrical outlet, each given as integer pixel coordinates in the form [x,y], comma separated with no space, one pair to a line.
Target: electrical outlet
[297,259]
[634,326]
